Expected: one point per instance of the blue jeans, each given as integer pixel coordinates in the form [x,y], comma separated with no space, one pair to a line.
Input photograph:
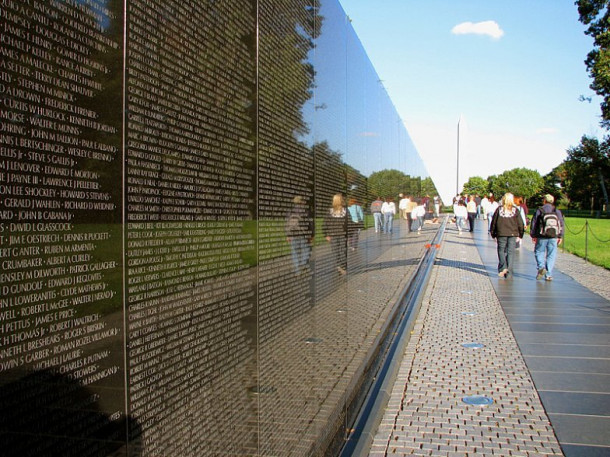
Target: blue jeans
[378,221]
[545,253]
[301,251]
[506,252]
[388,221]
[459,223]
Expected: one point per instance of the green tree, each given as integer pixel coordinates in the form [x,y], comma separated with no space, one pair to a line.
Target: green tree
[427,187]
[554,184]
[476,185]
[389,183]
[518,181]
[596,15]
[588,167]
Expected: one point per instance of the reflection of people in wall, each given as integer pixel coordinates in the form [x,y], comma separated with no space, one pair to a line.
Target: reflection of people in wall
[355,223]
[334,229]
[299,233]
[403,204]
[389,210]
[437,208]
[409,212]
[377,216]
[418,216]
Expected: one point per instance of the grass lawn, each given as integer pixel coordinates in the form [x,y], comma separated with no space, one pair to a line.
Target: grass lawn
[590,236]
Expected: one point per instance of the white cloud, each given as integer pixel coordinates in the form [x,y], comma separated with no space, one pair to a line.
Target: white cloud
[489,28]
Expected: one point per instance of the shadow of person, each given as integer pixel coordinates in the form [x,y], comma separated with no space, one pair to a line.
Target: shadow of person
[43,413]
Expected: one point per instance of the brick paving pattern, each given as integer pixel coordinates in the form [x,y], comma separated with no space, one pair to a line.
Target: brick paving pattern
[426,414]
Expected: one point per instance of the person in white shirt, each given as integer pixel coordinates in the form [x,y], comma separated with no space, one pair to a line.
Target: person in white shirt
[461,214]
[419,215]
[388,209]
[491,209]
[403,205]
[484,206]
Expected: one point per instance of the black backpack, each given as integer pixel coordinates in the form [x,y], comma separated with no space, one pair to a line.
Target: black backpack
[550,227]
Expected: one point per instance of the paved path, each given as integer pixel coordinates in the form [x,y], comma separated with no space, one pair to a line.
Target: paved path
[467,303]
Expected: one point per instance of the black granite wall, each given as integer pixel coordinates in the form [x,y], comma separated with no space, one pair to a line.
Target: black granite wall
[150,152]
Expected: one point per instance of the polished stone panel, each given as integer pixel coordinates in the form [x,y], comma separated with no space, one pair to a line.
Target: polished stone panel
[572,382]
[562,330]
[586,404]
[155,299]
[585,430]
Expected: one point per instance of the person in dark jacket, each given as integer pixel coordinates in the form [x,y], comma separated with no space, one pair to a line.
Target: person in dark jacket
[334,228]
[545,244]
[506,228]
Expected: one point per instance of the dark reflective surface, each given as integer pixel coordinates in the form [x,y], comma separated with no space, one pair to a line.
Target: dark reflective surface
[174,280]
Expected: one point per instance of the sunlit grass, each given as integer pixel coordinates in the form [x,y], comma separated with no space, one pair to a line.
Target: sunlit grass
[588,238]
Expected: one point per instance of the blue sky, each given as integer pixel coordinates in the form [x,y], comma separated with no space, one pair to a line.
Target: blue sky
[513,69]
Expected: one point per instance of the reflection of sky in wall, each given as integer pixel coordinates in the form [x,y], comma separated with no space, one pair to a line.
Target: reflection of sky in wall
[100,10]
[351,109]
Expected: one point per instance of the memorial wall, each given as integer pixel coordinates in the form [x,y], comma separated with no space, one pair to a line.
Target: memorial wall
[157,299]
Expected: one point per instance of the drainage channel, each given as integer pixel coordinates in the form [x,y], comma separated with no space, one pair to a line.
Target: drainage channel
[358,442]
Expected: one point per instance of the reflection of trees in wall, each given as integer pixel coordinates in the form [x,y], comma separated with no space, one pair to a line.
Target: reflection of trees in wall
[391,183]
[285,84]
[330,176]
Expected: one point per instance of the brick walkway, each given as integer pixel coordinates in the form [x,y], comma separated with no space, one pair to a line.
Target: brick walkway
[426,414]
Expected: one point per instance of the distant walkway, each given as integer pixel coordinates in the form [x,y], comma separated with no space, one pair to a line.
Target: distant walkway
[559,330]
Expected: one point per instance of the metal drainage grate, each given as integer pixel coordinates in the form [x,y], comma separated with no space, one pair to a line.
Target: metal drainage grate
[469,313]
[312,340]
[478,400]
[469,292]
[473,345]
[256,390]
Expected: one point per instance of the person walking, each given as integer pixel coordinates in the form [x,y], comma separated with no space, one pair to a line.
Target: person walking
[484,206]
[388,210]
[437,208]
[334,228]
[492,206]
[403,205]
[506,227]
[355,223]
[418,217]
[299,229]
[461,214]
[409,213]
[376,212]
[546,231]
[471,208]
[519,205]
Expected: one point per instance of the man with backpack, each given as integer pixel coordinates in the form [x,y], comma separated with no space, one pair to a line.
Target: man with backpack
[546,232]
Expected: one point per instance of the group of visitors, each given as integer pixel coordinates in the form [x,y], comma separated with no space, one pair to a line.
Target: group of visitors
[508,224]
[410,209]
[343,223]
[466,208]
[507,221]
[383,212]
